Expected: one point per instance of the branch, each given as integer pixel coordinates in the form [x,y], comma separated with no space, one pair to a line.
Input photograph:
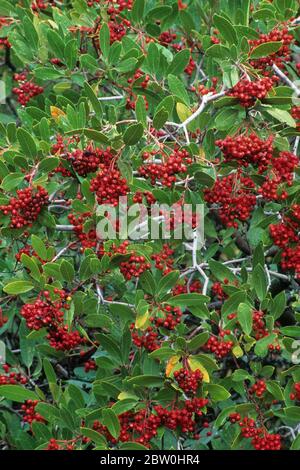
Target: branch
[285,79]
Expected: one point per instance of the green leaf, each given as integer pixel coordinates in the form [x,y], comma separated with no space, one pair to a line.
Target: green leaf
[282,116]
[146,381]
[95,436]
[97,136]
[244,316]
[105,40]
[179,62]
[160,118]
[217,392]
[178,89]
[166,283]
[67,270]
[31,264]
[259,281]
[187,300]
[217,51]
[137,11]
[275,390]
[197,341]
[110,420]
[261,347]
[232,303]
[39,247]
[17,393]
[27,143]
[226,29]
[140,111]
[11,181]
[133,134]
[221,271]
[265,49]
[18,287]
[93,99]
[279,304]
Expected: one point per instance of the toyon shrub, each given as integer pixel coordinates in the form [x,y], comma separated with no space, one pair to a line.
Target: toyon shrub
[130,339]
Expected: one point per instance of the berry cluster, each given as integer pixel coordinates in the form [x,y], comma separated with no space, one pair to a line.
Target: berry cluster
[247,150]
[147,339]
[89,365]
[194,286]
[165,172]
[87,239]
[85,161]
[233,195]
[260,438]
[164,260]
[168,317]
[143,425]
[259,325]
[11,377]
[25,208]
[295,394]
[217,291]
[258,388]
[285,235]
[279,57]
[296,115]
[26,91]
[188,381]
[247,92]
[140,196]
[218,346]
[47,313]
[30,414]
[134,266]
[109,186]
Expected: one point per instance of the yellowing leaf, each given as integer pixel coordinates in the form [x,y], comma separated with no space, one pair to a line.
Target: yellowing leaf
[196,364]
[125,395]
[141,321]
[172,362]
[237,351]
[56,113]
[183,111]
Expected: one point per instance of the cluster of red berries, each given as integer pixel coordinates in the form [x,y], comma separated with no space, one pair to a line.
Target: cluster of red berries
[188,381]
[11,377]
[247,150]
[53,444]
[141,196]
[39,5]
[89,365]
[296,115]
[30,414]
[233,195]
[168,317]
[143,425]
[29,251]
[218,346]
[285,235]
[62,339]
[282,171]
[258,388]
[164,260]
[295,394]
[147,339]
[25,208]
[117,27]
[260,438]
[279,57]
[139,79]
[165,172]
[85,161]
[47,313]
[247,92]
[3,318]
[26,91]
[259,325]
[109,186]
[217,291]
[87,239]
[195,286]
[134,266]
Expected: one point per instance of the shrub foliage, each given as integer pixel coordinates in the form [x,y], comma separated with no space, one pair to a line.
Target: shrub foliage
[135,344]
